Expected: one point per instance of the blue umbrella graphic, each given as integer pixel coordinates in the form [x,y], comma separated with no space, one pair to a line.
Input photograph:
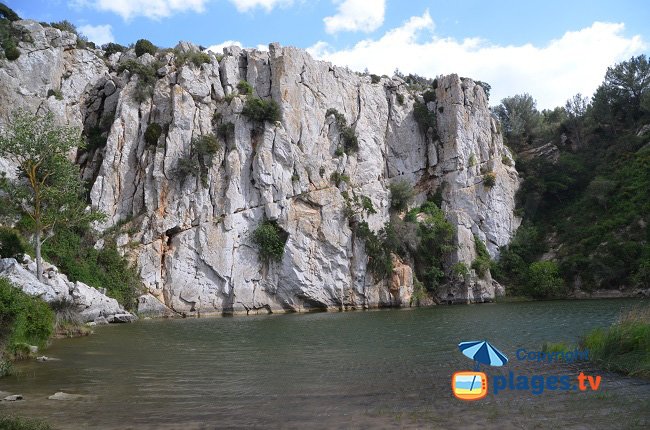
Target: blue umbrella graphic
[482,352]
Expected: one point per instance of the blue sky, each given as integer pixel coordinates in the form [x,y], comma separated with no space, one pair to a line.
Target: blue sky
[550,49]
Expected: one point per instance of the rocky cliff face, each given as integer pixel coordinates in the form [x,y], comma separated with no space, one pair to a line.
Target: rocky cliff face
[191,239]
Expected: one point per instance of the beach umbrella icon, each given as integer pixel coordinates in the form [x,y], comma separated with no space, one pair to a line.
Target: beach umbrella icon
[482,353]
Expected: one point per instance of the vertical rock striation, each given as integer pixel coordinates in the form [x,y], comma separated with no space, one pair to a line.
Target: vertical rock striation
[193,237]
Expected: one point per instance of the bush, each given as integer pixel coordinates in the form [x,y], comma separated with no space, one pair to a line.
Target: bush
[64,25]
[73,252]
[111,48]
[55,93]
[245,88]
[226,130]
[18,423]
[435,236]
[482,262]
[196,58]
[200,159]
[625,346]
[424,117]
[380,262]
[544,280]
[146,78]
[375,79]
[401,193]
[400,99]
[489,179]
[24,319]
[152,134]
[337,178]
[11,244]
[143,46]
[346,133]
[260,110]
[429,96]
[270,240]
[8,13]
[11,52]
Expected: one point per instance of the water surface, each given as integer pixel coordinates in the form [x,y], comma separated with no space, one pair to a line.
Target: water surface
[380,369]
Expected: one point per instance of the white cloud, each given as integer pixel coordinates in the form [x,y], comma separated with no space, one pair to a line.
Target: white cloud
[218,48]
[356,15]
[100,34]
[576,62]
[268,5]
[154,9]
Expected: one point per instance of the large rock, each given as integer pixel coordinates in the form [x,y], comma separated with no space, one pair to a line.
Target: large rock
[194,249]
[91,304]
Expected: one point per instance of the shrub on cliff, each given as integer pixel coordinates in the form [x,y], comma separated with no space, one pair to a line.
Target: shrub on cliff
[152,134]
[245,88]
[260,110]
[195,58]
[482,262]
[11,244]
[270,240]
[111,48]
[424,117]
[143,46]
[401,193]
[200,159]
[146,78]
[8,13]
[346,133]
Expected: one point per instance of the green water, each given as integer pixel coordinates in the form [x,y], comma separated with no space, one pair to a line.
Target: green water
[379,369]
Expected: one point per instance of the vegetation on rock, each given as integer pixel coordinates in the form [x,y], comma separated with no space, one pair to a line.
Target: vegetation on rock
[270,239]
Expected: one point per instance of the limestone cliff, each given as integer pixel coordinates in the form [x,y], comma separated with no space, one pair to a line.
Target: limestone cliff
[191,240]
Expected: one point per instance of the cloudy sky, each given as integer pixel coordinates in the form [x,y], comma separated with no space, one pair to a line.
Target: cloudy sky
[550,49]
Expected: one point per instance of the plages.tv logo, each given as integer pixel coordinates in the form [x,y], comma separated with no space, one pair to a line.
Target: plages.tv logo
[473,385]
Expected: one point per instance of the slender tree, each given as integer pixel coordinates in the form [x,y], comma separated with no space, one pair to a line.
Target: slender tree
[47,190]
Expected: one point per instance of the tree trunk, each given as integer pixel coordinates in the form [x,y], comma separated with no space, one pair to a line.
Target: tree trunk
[39,263]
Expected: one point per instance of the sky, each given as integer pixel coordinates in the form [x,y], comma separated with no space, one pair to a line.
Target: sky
[550,49]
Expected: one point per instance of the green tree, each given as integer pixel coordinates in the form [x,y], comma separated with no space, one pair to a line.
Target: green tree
[47,189]
[401,193]
[8,13]
[143,46]
[520,119]
[576,109]
[544,280]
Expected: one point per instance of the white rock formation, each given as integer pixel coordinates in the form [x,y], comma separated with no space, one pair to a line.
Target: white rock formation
[90,303]
[194,251]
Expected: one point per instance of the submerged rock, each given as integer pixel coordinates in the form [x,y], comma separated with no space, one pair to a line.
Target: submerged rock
[13,398]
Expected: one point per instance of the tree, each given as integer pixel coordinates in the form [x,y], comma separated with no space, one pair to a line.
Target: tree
[520,119]
[621,94]
[576,108]
[143,46]
[47,190]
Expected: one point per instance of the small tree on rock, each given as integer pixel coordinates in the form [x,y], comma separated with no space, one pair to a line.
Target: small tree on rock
[47,190]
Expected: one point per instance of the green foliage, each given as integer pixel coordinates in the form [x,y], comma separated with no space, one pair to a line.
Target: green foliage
[346,133]
[429,96]
[143,46]
[12,245]
[625,346]
[56,93]
[260,110]
[18,423]
[486,88]
[146,78]
[380,262]
[419,293]
[460,269]
[375,79]
[520,120]
[436,240]
[425,118]
[111,48]
[226,130]
[544,280]
[203,149]
[53,194]
[482,262]
[245,88]
[24,319]
[152,134]
[472,160]
[64,25]
[270,239]
[8,13]
[401,193]
[337,178]
[489,179]
[73,252]
[400,99]
[512,267]
[193,57]
[11,51]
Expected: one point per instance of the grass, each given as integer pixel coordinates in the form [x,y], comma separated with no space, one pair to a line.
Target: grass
[624,347]
[18,423]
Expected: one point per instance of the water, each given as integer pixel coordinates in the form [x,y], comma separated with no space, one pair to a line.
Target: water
[379,369]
